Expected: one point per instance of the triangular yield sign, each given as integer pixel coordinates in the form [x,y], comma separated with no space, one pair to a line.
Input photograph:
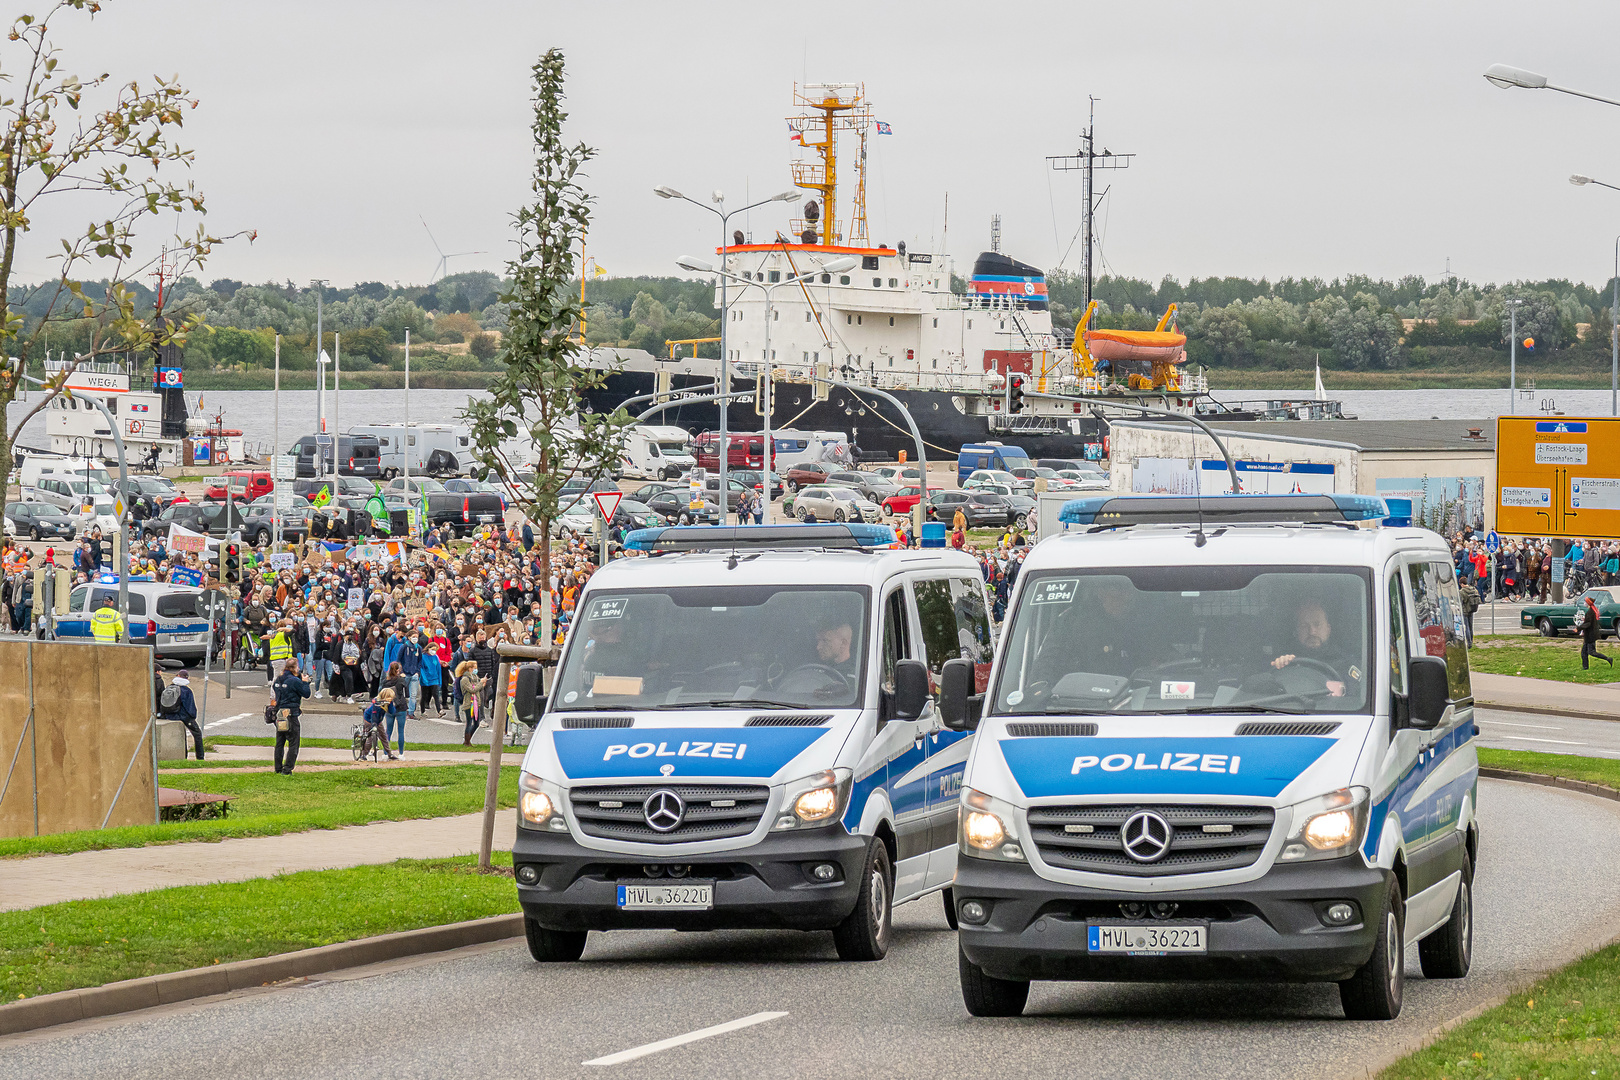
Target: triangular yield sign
[607,502]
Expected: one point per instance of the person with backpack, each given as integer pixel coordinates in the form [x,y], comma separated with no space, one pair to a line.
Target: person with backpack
[1470,603]
[176,702]
[468,685]
[1588,623]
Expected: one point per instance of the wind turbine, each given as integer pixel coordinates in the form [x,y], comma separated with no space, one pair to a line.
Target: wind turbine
[444,260]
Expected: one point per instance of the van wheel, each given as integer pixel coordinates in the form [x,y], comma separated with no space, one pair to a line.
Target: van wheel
[949,896]
[864,935]
[1545,627]
[1449,951]
[1374,991]
[553,946]
[985,995]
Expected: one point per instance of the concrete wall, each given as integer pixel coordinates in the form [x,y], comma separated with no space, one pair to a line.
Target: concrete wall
[76,737]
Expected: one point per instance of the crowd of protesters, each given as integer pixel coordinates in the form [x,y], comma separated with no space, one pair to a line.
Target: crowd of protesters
[1523,567]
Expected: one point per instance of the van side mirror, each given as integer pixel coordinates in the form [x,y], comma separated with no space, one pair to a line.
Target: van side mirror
[1428,691]
[910,689]
[528,701]
[955,687]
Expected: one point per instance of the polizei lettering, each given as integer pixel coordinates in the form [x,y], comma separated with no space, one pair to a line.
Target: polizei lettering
[1169,761]
[730,751]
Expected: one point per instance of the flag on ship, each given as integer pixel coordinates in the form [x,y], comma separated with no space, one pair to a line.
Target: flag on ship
[793,132]
[884,129]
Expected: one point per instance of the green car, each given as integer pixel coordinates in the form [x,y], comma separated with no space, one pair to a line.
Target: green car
[1550,619]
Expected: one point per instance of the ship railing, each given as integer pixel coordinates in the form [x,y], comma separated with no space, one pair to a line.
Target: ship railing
[97,367]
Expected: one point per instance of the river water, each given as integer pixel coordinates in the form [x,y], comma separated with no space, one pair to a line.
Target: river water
[253,412]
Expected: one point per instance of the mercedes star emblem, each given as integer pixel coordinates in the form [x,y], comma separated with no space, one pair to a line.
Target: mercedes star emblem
[1145,836]
[664,810]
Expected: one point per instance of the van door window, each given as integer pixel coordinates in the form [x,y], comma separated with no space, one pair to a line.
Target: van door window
[76,598]
[1397,637]
[896,637]
[1441,629]
[954,623]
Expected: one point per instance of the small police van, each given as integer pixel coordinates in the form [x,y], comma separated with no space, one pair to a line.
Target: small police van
[1234,748]
[173,619]
[741,733]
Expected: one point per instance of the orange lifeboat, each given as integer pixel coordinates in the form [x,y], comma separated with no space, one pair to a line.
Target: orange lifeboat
[1159,346]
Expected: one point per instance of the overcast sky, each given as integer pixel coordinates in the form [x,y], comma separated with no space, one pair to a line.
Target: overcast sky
[1271,139]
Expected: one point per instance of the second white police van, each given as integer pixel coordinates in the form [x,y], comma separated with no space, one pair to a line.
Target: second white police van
[742,733]
[1240,749]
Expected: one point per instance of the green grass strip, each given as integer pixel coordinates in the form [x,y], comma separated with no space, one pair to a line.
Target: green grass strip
[1593,770]
[91,942]
[1558,659]
[1566,1026]
[269,804]
[211,741]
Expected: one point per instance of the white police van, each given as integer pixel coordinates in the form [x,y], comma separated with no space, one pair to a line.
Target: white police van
[173,619]
[1240,749]
[741,733]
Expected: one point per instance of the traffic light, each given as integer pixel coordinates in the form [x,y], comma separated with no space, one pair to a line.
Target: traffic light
[233,564]
[1015,393]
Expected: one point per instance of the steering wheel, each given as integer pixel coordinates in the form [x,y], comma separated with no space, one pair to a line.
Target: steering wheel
[1327,671]
[830,674]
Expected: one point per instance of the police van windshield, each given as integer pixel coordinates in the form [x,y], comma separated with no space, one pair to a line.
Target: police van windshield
[1194,639]
[734,646]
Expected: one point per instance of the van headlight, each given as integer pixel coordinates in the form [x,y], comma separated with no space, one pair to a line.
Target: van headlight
[816,800]
[987,828]
[540,803]
[1327,826]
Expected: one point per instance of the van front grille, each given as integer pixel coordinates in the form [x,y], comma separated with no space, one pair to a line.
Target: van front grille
[574,722]
[1203,838]
[1288,727]
[711,811]
[1039,729]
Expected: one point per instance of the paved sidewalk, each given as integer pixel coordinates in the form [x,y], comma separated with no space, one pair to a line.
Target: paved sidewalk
[1600,702]
[52,879]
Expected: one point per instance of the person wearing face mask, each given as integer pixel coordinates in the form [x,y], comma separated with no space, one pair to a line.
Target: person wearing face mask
[431,675]
[488,662]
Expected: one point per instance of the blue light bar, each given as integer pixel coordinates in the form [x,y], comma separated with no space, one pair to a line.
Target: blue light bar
[779,537]
[1122,510]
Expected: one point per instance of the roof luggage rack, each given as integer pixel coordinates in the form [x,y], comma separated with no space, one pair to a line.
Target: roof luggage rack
[1118,511]
[853,537]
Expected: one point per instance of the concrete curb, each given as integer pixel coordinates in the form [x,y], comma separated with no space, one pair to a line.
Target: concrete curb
[1602,791]
[49,1010]
[1543,710]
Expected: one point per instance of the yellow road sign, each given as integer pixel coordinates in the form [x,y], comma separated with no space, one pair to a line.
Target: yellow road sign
[1558,476]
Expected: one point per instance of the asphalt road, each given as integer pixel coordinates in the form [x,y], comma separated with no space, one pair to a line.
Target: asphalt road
[1509,730]
[1545,894]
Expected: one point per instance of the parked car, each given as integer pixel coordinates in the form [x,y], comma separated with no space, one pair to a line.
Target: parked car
[461,511]
[160,489]
[899,475]
[355,455]
[1021,505]
[876,488]
[755,478]
[64,494]
[831,502]
[217,519]
[808,472]
[672,500]
[902,501]
[39,521]
[465,486]
[1551,619]
[258,524]
[980,510]
[584,485]
[240,485]
[341,486]
[1085,480]
[576,517]
[636,515]
[997,476]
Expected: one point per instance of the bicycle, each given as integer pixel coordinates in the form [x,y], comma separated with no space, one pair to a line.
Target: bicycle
[367,740]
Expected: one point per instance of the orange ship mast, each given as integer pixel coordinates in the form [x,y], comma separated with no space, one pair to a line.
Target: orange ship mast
[824,110]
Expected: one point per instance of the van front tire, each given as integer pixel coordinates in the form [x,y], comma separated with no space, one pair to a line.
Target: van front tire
[1374,992]
[864,935]
[985,995]
[553,946]
[1449,951]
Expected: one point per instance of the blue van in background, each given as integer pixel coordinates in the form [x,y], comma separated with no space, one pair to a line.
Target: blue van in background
[989,455]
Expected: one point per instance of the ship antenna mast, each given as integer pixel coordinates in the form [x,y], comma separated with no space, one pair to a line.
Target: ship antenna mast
[1087,160]
[824,109]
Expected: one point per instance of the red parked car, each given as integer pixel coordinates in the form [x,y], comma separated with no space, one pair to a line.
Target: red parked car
[747,450]
[902,501]
[240,485]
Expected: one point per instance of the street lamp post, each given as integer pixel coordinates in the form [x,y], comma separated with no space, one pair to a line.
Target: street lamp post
[720,211]
[1507,77]
[1513,353]
[1614,308]
[835,266]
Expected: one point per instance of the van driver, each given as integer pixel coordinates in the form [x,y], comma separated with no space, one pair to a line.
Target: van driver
[1313,640]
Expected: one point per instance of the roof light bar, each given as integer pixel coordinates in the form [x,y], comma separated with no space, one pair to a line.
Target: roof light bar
[776,537]
[1118,510]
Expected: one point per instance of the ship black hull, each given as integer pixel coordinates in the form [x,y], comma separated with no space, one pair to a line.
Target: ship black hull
[872,424]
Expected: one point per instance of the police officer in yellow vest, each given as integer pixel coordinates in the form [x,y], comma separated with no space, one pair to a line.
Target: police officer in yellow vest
[105,624]
[280,650]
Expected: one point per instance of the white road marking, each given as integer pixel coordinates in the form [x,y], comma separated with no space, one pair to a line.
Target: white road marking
[1509,723]
[227,720]
[681,1040]
[1560,742]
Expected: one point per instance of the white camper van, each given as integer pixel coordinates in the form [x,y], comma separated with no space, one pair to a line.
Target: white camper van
[655,452]
[797,447]
[432,449]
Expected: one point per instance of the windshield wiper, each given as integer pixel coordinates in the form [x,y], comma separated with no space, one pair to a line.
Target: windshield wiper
[737,703]
[1215,710]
